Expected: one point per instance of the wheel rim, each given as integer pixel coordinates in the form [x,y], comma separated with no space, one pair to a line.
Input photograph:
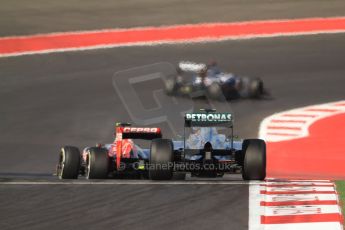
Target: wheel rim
[169,86]
[88,166]
[215,91]
[61,165]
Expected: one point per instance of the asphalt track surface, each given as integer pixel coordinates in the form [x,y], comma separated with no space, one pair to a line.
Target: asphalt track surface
[68,98]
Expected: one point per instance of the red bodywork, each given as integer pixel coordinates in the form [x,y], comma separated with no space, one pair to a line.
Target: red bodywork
[124,143]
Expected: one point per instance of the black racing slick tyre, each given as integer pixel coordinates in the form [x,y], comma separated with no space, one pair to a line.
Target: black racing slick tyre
[161,158]
[256,88]
[97,163]
[214,92]
[170,86]
[254,165]
[69,163]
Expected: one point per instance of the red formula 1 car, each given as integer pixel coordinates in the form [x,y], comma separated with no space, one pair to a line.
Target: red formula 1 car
[122,158]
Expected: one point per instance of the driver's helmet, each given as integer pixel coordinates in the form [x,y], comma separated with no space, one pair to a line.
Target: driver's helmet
[203,72]
[212,68]
[208,132]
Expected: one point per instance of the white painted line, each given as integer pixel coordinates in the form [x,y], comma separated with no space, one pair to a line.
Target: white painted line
[255,210]
[298,188]
[304,226]
[116,182]
[300,210]
[269,211]
[284,131]
[300,180]
[299,197]
[301,183]
[285,124]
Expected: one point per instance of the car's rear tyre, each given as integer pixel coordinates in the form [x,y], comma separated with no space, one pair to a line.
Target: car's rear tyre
[214,92]
[254,165]
[256,88]
[69,163]
[161,158]
[97,163]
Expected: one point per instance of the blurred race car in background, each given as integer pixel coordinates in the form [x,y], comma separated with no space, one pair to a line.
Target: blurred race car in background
[198,79]
[122,158]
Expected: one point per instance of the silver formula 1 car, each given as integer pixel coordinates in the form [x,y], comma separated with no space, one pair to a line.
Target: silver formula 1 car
[208,150]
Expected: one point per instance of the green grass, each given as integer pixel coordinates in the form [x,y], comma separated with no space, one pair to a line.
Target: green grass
[341,191]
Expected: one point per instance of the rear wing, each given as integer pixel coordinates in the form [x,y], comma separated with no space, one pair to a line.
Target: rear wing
[193,67]
[208,119]
[125,131]
[145,133]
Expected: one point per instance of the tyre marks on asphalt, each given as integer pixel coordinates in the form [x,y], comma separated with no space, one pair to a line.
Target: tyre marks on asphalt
[277,204]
